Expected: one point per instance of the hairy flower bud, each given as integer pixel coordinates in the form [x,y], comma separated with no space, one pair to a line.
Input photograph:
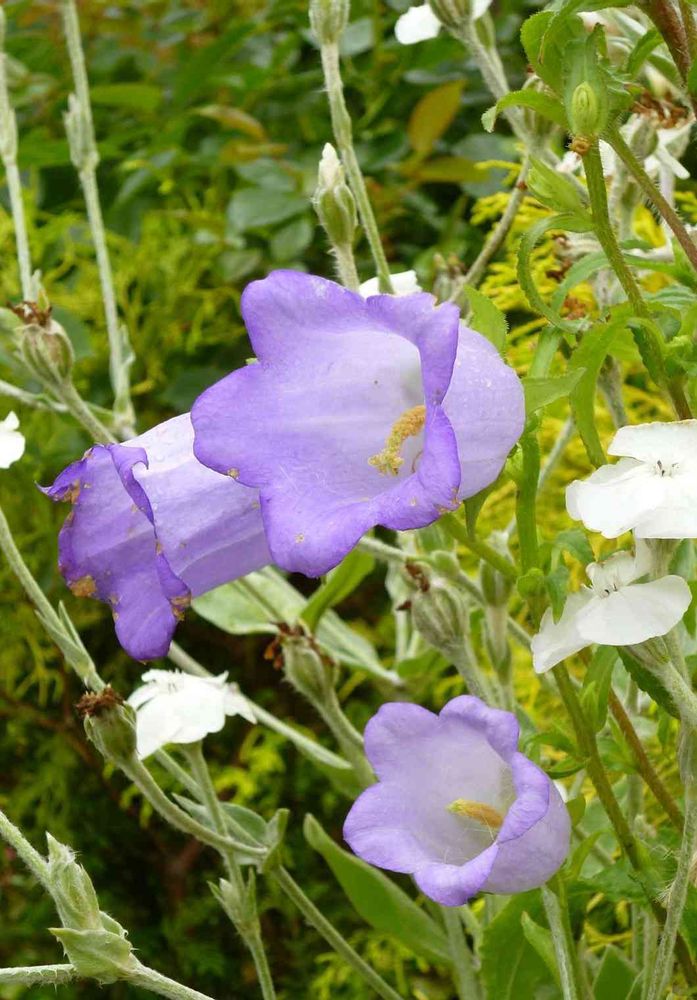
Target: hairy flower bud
[328,18]
[110,725]
[239,902]
[105,954]
[333,201]
[553,189]
[71,888]
[587,114]
[78,128]
[452,13]
[305,666]
[44,345]
[439,612]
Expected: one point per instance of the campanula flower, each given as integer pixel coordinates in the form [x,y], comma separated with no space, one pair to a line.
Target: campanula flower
[358,412]
[456,804]
[150,528]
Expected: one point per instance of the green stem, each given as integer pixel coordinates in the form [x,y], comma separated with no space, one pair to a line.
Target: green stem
[343,133]
[13,836]
[87,157]
[464,975]
[662,205]
[155,982]
[348,738]
[688,20]
[38,975]
[346,267]
[331,935]
[526,500]
[678,896]
[459,532]
[249,931]
[563,941]
[466,666]
[81,411]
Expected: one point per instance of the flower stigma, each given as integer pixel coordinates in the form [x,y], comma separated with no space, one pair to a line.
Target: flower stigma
[409,424]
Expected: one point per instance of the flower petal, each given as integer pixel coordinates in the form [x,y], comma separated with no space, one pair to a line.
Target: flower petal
[615,498]
[12,443]
[417,25]
[635,613]
[453,885]
[557,640]
[656,441]
[403,283]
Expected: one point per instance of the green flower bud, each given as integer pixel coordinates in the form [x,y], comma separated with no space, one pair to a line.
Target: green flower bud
[110,725]
[587,114]
[306,667]
[239,903]
[71,888]
[44,345]
[83,151]
[333,201]
[532,583]
[440,613]
[328,18]
[453,14]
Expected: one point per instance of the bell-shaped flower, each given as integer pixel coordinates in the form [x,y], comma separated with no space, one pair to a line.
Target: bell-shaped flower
[359,412]
[652,490]
[150,528]
[12,442]
[173,707]
[614,611]
[403,283]
[456,804]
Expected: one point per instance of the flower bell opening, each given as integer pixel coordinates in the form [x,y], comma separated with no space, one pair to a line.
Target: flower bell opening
[389,461]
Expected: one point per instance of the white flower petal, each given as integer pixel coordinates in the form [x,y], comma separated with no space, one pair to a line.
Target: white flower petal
[657,441]
[479,8]
[557,640]
[617,570]
[237,704]
[417,25]
[403,282]
[12,443]
[154,729]
[636,613]
[615,498]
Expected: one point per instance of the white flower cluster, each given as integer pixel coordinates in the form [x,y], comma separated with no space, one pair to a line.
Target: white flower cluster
[651,491]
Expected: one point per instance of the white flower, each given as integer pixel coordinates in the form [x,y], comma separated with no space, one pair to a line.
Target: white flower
[417,25]
[11,441]
[331,173]
[613,611]
[420,23]
[173,707]
[652,490]
[404,283]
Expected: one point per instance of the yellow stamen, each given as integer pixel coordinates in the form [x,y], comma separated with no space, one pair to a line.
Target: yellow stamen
[389,461]
[479,811]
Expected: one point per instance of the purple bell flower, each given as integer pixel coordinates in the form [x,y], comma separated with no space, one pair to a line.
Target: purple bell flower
[359,412]
[150,528]
[456,804]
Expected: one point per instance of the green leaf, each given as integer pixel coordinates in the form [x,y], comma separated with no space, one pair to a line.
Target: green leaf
[648,682]
[543,104]
[338,584]
[511,968]
[433,115]
[588,358]
[692,79]
[541,940]
[616,976]
[257,207]
[598,678]
[576,809]
[575,541]
[557,583]
[528,243]
[378,900]
[136,96]
[642,50]
[540,392]
[486,318]
[550,65]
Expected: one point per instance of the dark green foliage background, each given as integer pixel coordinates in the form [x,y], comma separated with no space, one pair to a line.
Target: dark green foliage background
[210,118]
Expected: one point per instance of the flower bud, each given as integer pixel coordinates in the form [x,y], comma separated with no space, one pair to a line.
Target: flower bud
[306,667]
[239,902]
[104,955]
[71,888]
[83,151]
[453,14]
[554,190]
[440,614]
[587,114]
[44,345]
[328,18]
[110,725]
[333,201]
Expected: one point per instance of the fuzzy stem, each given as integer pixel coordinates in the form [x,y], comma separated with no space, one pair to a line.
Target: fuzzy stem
[346,267]
[8,151]
[464,976]
[249,931]
[486,552]
[343,133]
[13,836]
[644,765]
[331,935]
[155,982]
[678,897]
[348,738]
[38,975]
[81,411]
[662,205]
[87,158]
[563,941]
